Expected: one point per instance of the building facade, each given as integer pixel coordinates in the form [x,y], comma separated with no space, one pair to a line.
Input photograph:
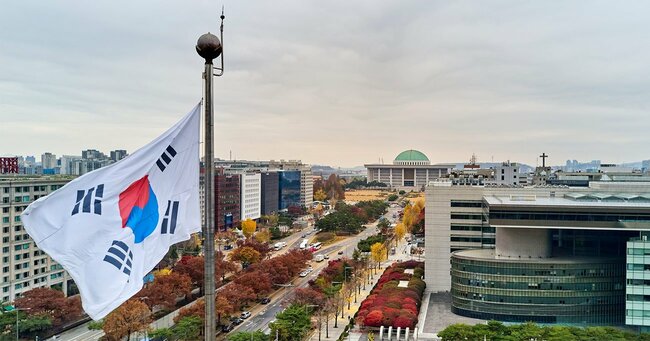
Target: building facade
[227,199]
[270,192]
[550,254]
[9,165]
[411,170]
[289,189]
[25,266]
[251,196]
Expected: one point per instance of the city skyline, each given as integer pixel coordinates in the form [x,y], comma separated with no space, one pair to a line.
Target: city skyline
[334,83]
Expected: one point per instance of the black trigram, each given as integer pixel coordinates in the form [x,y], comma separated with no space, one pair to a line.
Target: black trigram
[166,158]
[85,199]
[120,256]
[169,221]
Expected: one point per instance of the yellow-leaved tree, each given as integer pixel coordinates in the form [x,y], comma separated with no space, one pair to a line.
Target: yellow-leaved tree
[262,236]
[248,227]
[320,195]
[400,232]
[378,253]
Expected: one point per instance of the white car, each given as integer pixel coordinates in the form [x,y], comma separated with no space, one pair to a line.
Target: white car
[304,273]
[245,314]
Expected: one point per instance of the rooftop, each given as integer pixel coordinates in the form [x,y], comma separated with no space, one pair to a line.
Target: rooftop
[411,155]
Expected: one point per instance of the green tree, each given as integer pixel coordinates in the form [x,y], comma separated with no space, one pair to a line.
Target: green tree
[291,324]
[459,331]
[392,197]
[188,328]
[249,336]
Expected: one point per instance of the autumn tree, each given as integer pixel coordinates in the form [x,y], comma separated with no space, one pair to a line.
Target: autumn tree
[400,232]
[131,317]
[378,253]
[262,248]
[238,295]
[307,297]
[223,307]
[248,227]
[193,266]
[197,309]
[320,195]
[166,289]
[51,303]
[245,255]
[222,266]
[257,280]
[262,236]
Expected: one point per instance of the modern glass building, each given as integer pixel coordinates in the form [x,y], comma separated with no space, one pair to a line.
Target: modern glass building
[549,254]
[563,290]
[289,193]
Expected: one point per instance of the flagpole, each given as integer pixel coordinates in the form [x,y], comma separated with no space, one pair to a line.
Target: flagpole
[209,47]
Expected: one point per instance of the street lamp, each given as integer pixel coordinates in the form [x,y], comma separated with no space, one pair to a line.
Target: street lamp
[17,310]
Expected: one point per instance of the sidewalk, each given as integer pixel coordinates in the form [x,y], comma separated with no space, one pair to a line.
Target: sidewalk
[355,333]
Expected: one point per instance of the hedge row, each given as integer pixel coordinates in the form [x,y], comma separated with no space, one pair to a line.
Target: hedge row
[389,305]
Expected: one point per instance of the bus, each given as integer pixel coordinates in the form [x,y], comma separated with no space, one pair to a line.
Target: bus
[316,246]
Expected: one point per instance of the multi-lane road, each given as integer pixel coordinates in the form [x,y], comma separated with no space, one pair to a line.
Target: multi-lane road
[262,315]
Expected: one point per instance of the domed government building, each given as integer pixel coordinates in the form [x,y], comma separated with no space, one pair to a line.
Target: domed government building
[411,170]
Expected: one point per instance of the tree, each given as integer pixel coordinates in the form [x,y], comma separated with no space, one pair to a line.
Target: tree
[222,266]
[392,197]
[400,231]
[245,255]
[262,236]
[292,323]
[132,316]
[307,297]
[197,309]
[257,280]
[166,289]
[188,328]
[51,303]
[223,307]
[248,227]
[249,336]
[378,252]
[194,268]
[238,295]
[320,195]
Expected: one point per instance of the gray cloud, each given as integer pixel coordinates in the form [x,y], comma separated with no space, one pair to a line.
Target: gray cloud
[334,82]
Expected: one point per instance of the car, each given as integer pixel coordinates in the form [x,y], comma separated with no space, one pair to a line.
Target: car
[304,236]
[236,320]
[340,252]
[226,327]
[265,300]
[227,247]
[304,273]
[327,256]
[245,314]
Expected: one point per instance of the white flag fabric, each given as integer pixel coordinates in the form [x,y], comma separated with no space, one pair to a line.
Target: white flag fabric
[112,226]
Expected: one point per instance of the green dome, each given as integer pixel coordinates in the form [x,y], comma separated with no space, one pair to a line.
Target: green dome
[411,155]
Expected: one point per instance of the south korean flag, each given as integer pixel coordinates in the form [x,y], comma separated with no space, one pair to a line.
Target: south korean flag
[112,226]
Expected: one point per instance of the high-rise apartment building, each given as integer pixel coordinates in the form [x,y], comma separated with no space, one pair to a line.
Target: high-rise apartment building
[24,266]
[251,196]
[118,154]
[48,161]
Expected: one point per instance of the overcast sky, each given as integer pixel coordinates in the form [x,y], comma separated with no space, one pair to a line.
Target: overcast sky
[334,82]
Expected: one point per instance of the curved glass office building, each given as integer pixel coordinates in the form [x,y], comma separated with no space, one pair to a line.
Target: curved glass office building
[569,290]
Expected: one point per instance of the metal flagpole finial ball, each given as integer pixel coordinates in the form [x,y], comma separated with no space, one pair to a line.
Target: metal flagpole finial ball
[209,47]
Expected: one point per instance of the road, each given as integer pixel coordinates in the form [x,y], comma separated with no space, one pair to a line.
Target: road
[262,315]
